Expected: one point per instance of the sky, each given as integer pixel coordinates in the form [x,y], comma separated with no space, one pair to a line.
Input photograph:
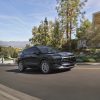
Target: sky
[17,17]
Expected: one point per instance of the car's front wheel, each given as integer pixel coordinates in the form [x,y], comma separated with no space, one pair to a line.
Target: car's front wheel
[21,66]
[45,67]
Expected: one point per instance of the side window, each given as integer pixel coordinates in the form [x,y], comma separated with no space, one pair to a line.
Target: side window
[35,50]
[30,51]
[25,52]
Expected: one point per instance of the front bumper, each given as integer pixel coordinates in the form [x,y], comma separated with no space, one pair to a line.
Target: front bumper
[64,62]
[64,66]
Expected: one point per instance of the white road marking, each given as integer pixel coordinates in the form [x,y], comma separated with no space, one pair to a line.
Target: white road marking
[8,95]
[11,94]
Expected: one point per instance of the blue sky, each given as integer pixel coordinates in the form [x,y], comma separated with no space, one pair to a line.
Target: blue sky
[17,17]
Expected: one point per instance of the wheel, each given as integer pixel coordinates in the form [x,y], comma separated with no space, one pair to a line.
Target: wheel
[45,68]
[20,66]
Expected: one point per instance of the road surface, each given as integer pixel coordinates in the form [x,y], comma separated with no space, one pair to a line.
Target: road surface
[81,83]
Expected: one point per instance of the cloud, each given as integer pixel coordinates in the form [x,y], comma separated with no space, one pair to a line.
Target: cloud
[93,4]
[38,2]
[91,7]
[13,20]
[14,25]
[40,16]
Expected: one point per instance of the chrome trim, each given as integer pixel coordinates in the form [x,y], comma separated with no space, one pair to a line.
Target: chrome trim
[62,67]
[65,64]
[68,57]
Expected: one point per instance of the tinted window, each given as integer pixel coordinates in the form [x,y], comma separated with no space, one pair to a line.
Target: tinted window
[34,50]
[45,49]
[30,50]
[26,51]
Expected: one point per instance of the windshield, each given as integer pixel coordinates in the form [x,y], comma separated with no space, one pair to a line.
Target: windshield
[47,50]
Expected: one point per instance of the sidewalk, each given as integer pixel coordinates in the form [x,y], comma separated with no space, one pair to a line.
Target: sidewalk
[11,94]
[8,63]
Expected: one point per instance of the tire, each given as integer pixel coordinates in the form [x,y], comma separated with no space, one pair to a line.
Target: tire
[21,66]
[69,69]
[45,67]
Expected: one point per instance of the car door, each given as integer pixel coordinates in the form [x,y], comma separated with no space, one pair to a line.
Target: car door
[33,58]
[26,56]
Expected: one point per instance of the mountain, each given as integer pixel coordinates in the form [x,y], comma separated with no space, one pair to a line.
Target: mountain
[16,44]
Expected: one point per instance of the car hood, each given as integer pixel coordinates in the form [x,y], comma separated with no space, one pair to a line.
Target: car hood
[64,54]
[60,54]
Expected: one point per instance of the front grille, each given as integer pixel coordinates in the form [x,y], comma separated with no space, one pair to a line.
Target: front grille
[58,61]
[69,59]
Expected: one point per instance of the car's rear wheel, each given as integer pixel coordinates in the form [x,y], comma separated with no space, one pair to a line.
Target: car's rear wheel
[21,66]
[45,67]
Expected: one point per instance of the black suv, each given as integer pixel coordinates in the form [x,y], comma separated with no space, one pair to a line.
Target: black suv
[45,58]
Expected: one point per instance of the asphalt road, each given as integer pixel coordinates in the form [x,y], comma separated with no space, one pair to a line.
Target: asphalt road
[81,83]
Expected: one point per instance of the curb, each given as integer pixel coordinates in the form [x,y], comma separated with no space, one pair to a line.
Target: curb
[11,94]
[8,64]
[87,63]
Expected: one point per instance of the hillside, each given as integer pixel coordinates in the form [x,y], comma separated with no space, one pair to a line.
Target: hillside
[16,44]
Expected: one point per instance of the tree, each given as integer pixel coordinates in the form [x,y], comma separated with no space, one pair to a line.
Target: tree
[40,34]
[56,35]
[27,46]
[70,11]
[88,33]
[47,33]
[7,52]
[83,33]
[45,29]
[83,30]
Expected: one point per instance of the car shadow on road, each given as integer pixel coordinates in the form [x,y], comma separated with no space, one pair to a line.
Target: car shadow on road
[38,72]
